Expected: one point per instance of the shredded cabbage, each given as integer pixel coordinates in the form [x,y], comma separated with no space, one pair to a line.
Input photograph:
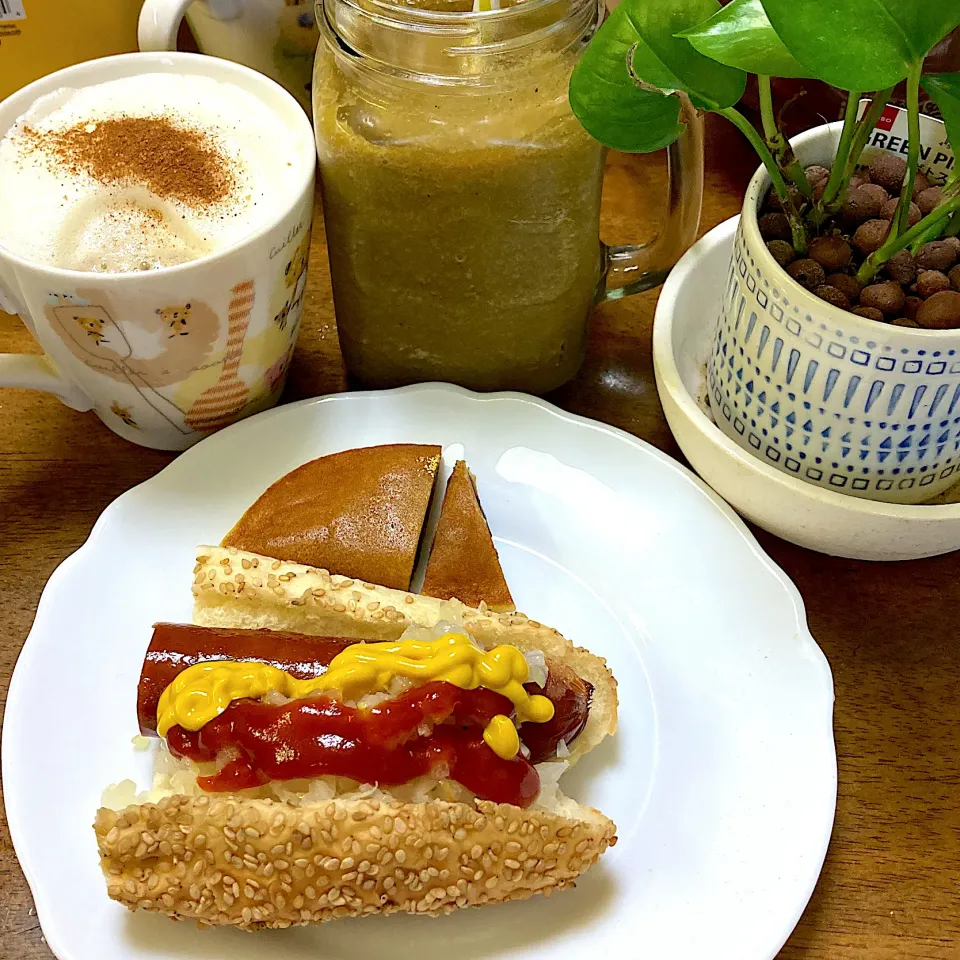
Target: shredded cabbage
[537,666]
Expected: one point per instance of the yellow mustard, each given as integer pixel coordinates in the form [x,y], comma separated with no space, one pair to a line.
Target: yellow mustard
[203,691]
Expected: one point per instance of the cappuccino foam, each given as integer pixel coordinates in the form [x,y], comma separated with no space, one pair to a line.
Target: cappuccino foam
[143,172]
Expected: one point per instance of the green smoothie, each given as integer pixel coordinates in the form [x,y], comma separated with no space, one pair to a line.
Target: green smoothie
[462,226]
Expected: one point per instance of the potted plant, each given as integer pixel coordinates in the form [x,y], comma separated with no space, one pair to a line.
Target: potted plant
[837,352]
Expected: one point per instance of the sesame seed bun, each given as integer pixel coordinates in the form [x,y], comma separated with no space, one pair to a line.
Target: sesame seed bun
[259,863]
[251,862]
[233,588]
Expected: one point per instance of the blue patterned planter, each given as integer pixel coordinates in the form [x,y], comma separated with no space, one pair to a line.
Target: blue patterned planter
[840,401]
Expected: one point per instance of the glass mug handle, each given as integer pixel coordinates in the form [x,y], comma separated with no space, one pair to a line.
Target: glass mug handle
[160,20]
[632,269]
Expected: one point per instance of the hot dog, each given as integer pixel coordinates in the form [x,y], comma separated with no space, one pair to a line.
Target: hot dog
[337,742]
[176,646]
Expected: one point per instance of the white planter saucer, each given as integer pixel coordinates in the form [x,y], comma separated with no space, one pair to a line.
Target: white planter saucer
[797,511]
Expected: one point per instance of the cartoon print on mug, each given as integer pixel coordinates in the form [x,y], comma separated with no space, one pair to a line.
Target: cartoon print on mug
[224,401]
[267,352]
[176,319]
[124,414]
[286,302]
[135,350]
[92,326]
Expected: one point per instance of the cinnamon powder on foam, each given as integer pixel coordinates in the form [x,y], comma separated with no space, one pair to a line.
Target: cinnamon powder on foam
[176,163]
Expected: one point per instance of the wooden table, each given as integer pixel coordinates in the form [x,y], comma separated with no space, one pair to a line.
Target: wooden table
[890,889]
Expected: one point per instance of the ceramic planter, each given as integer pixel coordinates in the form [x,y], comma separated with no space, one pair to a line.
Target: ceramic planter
[847,403]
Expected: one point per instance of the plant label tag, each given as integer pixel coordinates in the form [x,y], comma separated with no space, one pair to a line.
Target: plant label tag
[891,134]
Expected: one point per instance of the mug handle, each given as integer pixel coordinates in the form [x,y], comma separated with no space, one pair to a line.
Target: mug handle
[160,20]
[632,269]
[32,372]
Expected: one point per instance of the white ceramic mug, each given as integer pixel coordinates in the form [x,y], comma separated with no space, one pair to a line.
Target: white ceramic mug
[276,37]
[107,338]
[850,404]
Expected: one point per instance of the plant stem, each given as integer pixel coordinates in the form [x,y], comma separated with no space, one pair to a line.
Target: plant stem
[949,229]
[797,229]
[864,128]
[901,218]
[948,207]
[777,142]
[838,179]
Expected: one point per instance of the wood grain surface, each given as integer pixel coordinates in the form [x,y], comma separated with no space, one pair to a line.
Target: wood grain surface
[890,888]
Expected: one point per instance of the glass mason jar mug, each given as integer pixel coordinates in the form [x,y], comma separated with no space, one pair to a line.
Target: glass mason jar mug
[461,196]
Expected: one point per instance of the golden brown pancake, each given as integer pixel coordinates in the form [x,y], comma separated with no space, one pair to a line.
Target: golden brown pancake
[358,513]
[463,561]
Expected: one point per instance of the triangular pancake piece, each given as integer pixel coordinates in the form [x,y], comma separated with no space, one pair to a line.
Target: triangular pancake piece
[358,513]
[463,560]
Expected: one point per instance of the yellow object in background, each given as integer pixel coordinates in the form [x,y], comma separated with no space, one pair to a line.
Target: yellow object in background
[38,37]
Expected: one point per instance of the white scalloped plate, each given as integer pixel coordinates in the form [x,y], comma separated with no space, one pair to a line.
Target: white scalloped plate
[722,779]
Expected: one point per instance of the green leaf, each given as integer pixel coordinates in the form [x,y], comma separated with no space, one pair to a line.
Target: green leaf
[740,35]
[610,104]
[668,62]
[861,44]
[944,89]
[622,88]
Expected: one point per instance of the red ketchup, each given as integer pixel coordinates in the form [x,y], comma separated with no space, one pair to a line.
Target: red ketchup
[319,736]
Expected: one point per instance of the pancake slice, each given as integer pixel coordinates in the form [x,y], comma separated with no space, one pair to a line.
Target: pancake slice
[358,513]
[463,561]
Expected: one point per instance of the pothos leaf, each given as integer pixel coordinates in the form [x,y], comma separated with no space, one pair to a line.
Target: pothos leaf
[667,61]
[740,35]
[610,104]
[622,90]
[861,44]
[944,89]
